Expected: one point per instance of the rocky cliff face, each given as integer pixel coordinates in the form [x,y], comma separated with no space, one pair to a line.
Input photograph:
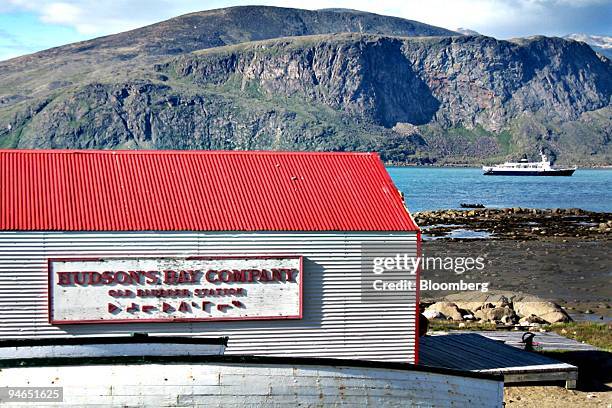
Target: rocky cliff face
[143,115]
[368,78]
[490,82]
[452,81]
[446,99]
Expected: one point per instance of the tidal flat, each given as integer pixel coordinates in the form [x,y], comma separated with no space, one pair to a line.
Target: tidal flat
[562,255]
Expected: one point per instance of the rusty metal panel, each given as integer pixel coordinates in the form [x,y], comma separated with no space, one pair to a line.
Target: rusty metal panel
[335,322]
[87,190]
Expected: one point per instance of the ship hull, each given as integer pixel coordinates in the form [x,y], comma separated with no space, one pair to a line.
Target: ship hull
[563,173]
[247,381]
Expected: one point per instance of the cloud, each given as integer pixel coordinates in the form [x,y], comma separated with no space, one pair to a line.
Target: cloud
[499,18]
[61,13]
[92,17]
[23,33]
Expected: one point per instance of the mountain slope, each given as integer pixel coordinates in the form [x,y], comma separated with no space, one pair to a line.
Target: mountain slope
[106,56]
[600,43]
[460,99]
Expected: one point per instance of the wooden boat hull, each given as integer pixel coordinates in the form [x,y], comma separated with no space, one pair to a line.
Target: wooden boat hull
[241,381]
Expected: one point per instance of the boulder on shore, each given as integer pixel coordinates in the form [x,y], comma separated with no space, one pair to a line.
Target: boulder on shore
[532,320]
[503,314]
[448,310]
[476,301]
[548,311]
[505,307]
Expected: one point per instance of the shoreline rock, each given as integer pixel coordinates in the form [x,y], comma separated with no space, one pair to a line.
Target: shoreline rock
[444,310]
[518,223]
[497,307]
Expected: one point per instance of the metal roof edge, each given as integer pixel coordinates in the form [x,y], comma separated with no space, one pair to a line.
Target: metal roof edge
[247,359]
[185,152]
[245,231]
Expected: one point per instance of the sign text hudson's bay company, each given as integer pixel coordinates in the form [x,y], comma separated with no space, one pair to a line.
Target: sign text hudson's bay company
[171,289]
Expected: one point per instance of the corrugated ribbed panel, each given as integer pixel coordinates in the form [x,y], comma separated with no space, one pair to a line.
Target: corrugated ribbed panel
[197,191]
[335,323]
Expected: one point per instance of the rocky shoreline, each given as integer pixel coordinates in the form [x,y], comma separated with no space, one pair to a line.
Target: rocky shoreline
[502,309]
[517,223]
[561,256]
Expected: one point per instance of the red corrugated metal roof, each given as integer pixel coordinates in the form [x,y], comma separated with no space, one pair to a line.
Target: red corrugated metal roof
[88,190]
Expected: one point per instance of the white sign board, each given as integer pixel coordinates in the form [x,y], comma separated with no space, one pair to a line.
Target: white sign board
[174,289]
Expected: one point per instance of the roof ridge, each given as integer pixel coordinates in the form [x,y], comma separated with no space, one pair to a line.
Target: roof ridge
[212,152]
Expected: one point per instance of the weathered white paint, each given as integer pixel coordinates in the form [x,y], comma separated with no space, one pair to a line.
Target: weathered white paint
[242,385]
[124,289]
[111,350]
[335,323]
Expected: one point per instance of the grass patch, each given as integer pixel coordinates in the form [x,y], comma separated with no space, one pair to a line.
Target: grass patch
[277,46]
[469,134]
[446,325]
[11,139]
[595,334]
[504,139]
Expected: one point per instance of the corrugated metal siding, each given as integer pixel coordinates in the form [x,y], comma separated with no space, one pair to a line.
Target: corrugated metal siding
[197,191]
[335,323]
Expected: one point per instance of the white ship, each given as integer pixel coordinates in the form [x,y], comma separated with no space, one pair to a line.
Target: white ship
[526,168]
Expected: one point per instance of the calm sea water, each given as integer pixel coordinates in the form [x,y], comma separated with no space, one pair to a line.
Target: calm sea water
[429,188]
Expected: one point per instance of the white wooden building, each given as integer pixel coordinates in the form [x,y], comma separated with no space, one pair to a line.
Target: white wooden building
[107,243]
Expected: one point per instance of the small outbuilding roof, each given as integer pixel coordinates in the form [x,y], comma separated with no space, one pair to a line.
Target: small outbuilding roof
[93,190]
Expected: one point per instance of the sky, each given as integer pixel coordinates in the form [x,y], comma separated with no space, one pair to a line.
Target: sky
[28,26]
